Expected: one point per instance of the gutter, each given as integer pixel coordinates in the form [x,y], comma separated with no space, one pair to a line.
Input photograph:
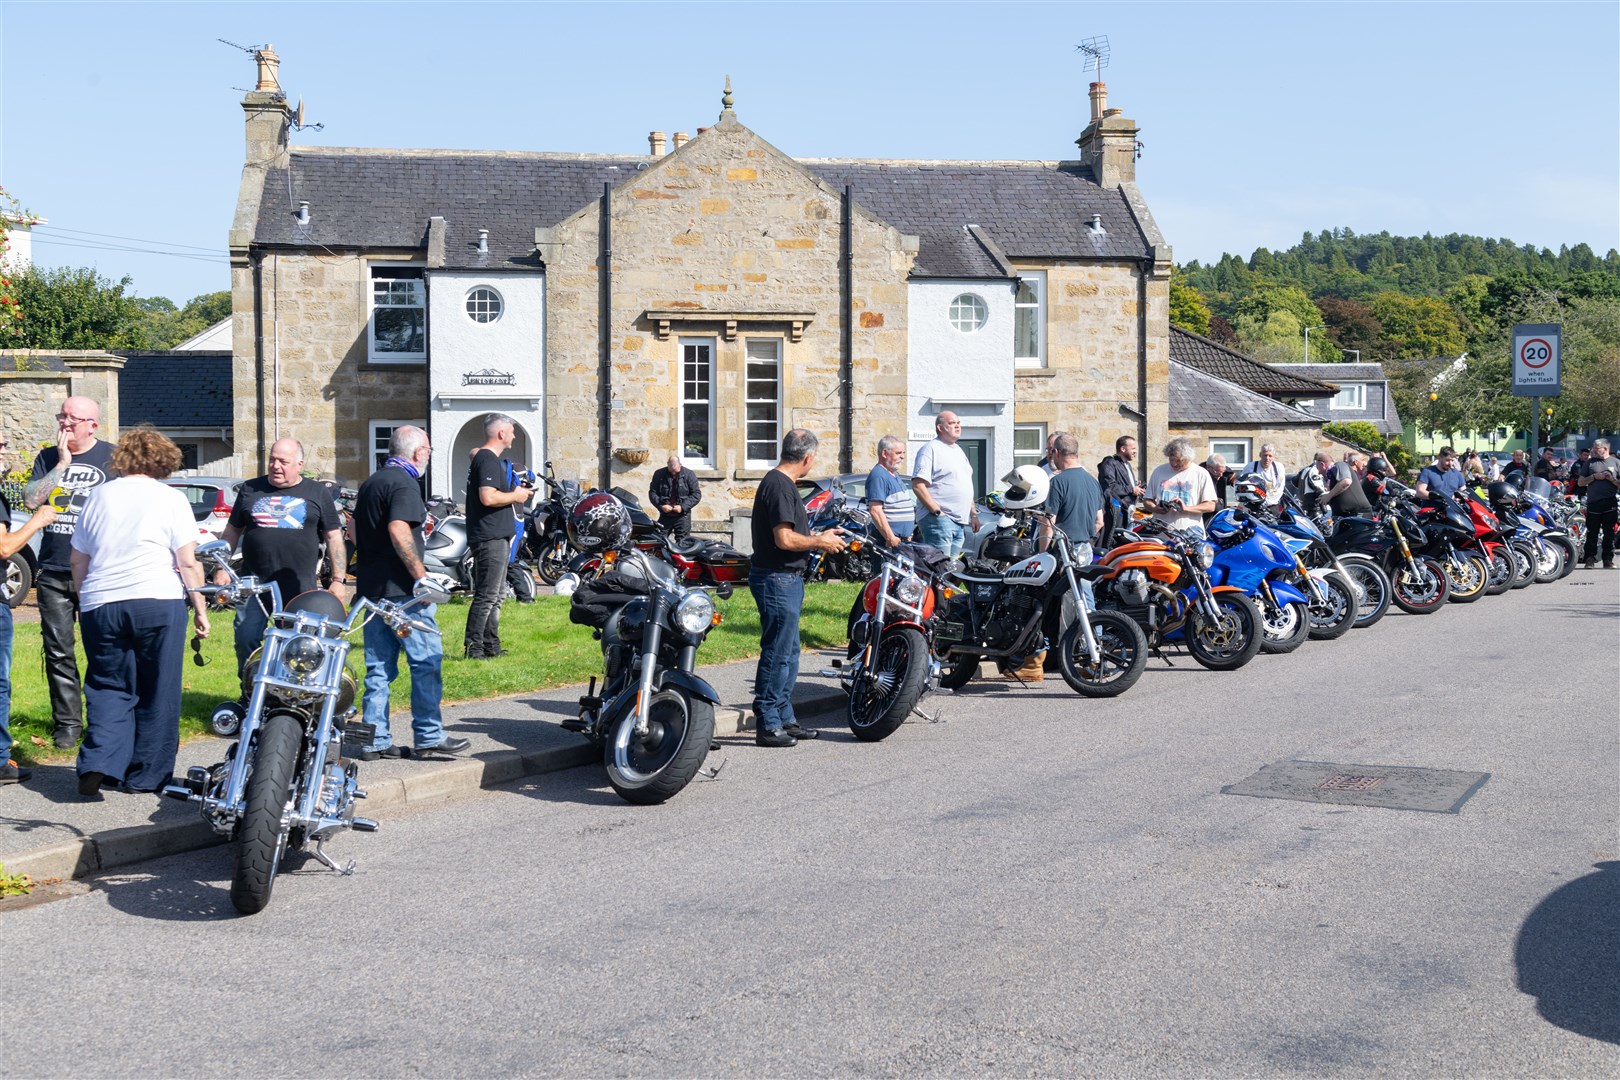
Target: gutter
[604,315]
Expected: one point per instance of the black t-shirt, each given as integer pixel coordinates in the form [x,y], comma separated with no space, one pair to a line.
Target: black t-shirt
[282,531]
[776,503]
[1352,500]
[488,522]
[88,470]
[392,494]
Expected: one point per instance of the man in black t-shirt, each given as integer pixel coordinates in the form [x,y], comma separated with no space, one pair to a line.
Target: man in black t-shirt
[281,520]
[782,544]
[1344,492]
[388,516]
[77,464]
[492,498]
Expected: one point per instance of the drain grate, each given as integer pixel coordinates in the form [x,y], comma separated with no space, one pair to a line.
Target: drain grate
[1349,782]
[1394,787]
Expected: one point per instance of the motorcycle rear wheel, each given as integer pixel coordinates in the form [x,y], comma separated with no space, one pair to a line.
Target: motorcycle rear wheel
[1230,644]
[880,699]
[957,672]
[648,770]
[1571,555]
[1375,588]
[261,835]
[520,582]
[1284,630]
[1336,613]
[1467,581]
[1524,565]
[1420,591]
[1122,652]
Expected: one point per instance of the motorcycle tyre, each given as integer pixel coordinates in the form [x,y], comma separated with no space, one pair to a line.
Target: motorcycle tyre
[1480,571]
[1323,628]
[1550,568]
[1292,637]
[261,838]
[1116,633]
[957,672]
[1370,577]
[1503,569]
[552,563]
[912,672]
[1404,600]
[1247,613]
[1524,565]
[520,582]
[1571,555]
[683,764]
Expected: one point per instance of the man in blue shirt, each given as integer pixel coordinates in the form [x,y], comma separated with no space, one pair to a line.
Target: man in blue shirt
[1443,477]
[1075,503]
[889,498]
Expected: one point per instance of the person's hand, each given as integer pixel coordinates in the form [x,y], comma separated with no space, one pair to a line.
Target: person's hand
[831,541]
[221,578]
[893,540]
[45,514]
[199,620]
[1177,504]
[1139,490]
[336,588]
[64,432]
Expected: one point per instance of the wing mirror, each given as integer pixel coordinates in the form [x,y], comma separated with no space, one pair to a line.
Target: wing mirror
[217,551]
[434,589]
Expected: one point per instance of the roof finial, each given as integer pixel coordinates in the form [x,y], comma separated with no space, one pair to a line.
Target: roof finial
[727,101]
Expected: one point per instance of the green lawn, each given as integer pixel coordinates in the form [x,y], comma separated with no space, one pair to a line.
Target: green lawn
[545,650]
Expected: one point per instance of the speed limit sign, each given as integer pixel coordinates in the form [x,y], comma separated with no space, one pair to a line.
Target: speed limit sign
[1536,367]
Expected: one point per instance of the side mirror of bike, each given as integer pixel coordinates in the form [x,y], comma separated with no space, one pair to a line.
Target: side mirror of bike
[567,585]
[723,590]
[215,551]
[433,589]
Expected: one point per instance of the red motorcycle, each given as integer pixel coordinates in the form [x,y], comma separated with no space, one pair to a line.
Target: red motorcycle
[1491,539]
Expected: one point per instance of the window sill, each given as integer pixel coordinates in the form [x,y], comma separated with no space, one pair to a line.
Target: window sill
[757,473]
[412,361]
[706,474]
[1033,373]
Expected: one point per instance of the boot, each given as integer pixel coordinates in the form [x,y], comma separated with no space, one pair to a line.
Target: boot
[1033,669]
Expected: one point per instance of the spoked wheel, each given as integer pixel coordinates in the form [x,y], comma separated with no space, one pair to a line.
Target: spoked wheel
[1231,640]
[1467,577]
[1502,571]
[1122,655]
[1335,613]
[1374,588]
[882,696]
[647,769]
[1524,565]
[261,835]
[553,562]
[1549,562]
[1422,588]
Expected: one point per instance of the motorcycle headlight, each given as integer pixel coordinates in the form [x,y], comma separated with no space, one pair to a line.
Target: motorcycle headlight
[695,614]
[909,590]
[1206,555]
[303,655]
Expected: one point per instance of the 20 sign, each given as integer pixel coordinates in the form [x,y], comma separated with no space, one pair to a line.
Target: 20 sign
[1536,367]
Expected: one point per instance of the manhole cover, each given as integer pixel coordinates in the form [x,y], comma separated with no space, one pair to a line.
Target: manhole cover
[1394,787]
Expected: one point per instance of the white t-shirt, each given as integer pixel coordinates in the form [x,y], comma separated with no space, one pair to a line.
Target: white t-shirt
[131,527]
[1275,479]
[1191,485]
[950,479]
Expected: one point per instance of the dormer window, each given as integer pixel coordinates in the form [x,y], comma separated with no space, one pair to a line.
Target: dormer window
[1352,397]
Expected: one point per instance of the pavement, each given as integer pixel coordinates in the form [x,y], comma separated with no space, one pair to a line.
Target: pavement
[49,832]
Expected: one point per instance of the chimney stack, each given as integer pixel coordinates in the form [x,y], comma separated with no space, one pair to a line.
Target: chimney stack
[655,143]
[1108,145]
[269,118]
[680,139]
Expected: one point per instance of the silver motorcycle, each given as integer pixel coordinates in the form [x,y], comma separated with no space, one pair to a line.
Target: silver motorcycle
[284,783]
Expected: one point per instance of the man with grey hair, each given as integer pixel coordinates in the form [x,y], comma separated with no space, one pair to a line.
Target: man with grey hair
[1268,468]
[1602,487]
[674,490]
[782,544]
[943,481]
[890,500]
[388,516]
[493,498]
[1179,492]
[1218,472]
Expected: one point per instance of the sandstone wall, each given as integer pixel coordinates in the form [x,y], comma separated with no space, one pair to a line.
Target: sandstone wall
[1295,445]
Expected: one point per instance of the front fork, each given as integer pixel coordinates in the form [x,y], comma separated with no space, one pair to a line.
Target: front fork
[650,644]
[1092,652]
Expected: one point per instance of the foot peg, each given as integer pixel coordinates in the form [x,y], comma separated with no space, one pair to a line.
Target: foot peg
[830,673]
[363,824]
[576,723]
[177,791]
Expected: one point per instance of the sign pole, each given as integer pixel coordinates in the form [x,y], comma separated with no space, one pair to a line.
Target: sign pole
[1535,430]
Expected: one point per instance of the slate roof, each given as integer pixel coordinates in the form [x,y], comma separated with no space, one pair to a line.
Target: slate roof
[384,198]
[1216,359]
[1338,373]
[1378,403]
[175,389]
[1198,398]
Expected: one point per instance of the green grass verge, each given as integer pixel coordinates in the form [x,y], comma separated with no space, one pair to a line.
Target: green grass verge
[544,650]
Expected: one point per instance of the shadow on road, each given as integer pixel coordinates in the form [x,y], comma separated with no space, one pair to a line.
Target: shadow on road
[168,898]
[1566,953]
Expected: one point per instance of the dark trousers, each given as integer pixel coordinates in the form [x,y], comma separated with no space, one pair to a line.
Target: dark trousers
[134,653]
[779,596]
[1600,524]
[58,606]
[676,525]
[489,589]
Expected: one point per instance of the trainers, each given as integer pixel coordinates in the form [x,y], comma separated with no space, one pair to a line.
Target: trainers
[13,773]
[449,745]
[385,752]
[774,738]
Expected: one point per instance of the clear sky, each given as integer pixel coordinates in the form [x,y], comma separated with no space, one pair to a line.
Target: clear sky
[1260,121]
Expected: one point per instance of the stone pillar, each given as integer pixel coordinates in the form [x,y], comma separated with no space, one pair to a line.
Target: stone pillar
[94,375]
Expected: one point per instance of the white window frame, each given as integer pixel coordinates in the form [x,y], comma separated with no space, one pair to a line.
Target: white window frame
[699,461]
[1022,457]
[377,442]
[1358,399]
[500,305]
[1224,447]
[775,401]
[980,309]
[372,353]
[1036,279]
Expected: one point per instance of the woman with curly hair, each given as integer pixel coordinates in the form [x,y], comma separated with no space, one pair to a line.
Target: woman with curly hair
[133,560]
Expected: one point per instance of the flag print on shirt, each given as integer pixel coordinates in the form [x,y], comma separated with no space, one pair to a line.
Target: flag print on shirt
[281,512]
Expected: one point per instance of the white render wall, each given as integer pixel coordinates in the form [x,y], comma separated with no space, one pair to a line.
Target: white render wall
[458,347]
[969,374]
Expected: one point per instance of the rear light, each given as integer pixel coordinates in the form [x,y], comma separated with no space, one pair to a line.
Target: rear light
[222,505]
[819,500]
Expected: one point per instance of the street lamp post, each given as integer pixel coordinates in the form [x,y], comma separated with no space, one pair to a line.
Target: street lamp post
[1308,330]
[1433,397]
[1357,360]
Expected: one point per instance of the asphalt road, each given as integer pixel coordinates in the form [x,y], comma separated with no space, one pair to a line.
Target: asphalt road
[1039,885]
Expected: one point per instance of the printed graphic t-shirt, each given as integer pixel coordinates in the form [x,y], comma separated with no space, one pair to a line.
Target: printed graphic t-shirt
[83,475]
[282,531]
[1191,485]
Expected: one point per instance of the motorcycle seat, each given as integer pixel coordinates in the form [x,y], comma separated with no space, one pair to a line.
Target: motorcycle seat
[1092,570]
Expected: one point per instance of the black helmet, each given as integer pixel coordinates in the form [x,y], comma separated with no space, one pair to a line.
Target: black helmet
[1378,464]
[1502,493]
[598,522]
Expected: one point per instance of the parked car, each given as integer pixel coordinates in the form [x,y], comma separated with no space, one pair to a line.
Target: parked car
[815,491]
[211,498]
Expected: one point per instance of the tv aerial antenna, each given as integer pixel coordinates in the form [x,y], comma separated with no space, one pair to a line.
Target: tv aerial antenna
[1097,54]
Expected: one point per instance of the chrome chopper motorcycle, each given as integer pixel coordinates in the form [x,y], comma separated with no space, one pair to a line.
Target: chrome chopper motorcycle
[284,783]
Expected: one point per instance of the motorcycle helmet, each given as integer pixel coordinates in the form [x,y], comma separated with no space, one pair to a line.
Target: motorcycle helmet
[1251,490]
[598,522]
[1027,486]
[1502,493]
[1377,465]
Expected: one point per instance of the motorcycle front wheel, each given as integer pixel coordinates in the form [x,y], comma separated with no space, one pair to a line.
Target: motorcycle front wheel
[1122,655]
[1524,564]
[1284,629]
[261,835]
[648,769]
[1502,572]
[553,561]
[880,698]
[1229,642]
[1335,613]
[1571,556]
[1549,562]
[1374,587]
[1468,580]
[1421,589]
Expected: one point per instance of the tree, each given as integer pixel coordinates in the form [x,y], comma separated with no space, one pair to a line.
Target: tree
[74,309]
[1188,308]
[1417,326]
[1351,325]
[11,310]
[1271,323]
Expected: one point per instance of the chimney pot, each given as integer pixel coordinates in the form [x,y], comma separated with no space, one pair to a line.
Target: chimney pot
[269,63]
[655,143]
[303,213]
[1099,99]
[483,241]
[681,138]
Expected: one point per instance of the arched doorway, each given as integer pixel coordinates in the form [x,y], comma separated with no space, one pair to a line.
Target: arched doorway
[470,438]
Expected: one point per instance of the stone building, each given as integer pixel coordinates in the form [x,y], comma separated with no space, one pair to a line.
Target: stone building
[702,298]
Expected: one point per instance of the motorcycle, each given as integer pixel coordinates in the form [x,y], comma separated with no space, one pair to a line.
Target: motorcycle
[1255,559]
[1418,583]
[1160,579]
[1492,541]
[545,540]
[1369,588]
[711,563]
[284,783]
[1538,504]
[1012,614]
[1449,538]
[853,563]
[654,719]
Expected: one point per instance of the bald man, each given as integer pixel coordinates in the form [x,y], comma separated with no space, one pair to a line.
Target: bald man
[76,465]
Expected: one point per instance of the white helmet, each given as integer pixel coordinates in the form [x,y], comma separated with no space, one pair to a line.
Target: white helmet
[1027,486]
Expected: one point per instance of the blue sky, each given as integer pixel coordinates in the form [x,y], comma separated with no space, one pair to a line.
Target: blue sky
[1260,121]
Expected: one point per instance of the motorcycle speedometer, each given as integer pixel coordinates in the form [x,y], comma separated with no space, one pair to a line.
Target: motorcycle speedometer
[694,614]
[303,655]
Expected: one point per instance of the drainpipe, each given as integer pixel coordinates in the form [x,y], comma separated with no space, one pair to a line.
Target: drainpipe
[1141,364]
[258,351]
[604,318]
[846,360]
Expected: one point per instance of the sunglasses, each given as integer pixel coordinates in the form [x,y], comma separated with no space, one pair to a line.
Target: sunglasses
[197,656]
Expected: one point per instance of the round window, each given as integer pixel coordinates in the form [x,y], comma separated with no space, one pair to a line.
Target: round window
[483,304]
[968,313]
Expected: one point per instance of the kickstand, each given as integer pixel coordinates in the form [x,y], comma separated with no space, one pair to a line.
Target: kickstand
[937,718]
[326,860]
[1167,661]
[714,773]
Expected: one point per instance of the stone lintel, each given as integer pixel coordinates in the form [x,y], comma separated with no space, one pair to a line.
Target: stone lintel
[664,322]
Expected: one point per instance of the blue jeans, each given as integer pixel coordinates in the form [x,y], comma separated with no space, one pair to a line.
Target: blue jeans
[249,630]
[134,656]
[939,531]
[1083,557]
[423,654]
[5,682]
[779,596]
